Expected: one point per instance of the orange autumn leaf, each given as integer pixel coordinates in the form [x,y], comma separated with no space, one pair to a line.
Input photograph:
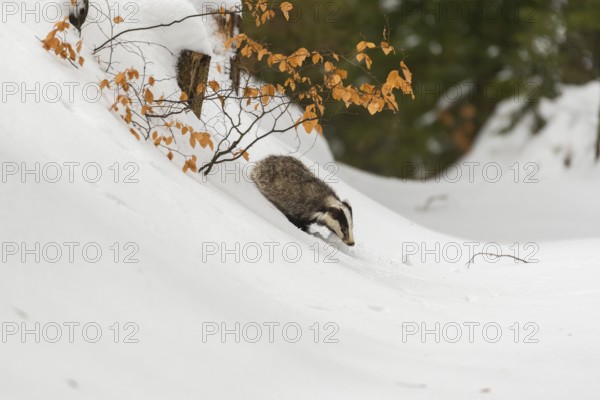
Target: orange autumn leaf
[286,7]
[406,72]
[121,79]
[362,56]
[387,48]
[243,153]
[134,133]
[149,96]
[214,85]
[133,73]
[362,46]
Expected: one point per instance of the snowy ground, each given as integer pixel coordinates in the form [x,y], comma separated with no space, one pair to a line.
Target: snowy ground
[526,330]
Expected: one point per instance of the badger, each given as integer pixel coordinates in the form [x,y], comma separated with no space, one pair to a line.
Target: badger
[302,197]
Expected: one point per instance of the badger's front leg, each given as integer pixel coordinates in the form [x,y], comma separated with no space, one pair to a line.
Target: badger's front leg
[300,224]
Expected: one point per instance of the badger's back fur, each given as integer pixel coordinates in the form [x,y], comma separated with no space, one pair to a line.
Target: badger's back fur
[301,196]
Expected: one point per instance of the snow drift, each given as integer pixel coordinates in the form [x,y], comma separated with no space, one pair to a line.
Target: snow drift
[382,320]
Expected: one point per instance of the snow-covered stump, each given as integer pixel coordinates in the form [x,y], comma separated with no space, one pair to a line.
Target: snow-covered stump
[192,71]
[78,11]
[193,67]
[230,24]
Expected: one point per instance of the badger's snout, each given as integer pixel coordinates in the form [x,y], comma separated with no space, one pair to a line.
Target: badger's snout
[349,239]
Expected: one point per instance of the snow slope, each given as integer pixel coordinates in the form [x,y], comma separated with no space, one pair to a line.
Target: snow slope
[374,294]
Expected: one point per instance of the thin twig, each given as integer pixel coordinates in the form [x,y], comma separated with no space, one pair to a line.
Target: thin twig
[471,261]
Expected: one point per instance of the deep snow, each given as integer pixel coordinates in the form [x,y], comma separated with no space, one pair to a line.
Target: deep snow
[372,293]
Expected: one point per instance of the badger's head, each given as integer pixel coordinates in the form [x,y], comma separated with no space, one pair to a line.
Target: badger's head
[338,218]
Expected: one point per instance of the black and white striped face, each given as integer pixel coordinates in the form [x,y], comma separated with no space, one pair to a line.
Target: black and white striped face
[338,219]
